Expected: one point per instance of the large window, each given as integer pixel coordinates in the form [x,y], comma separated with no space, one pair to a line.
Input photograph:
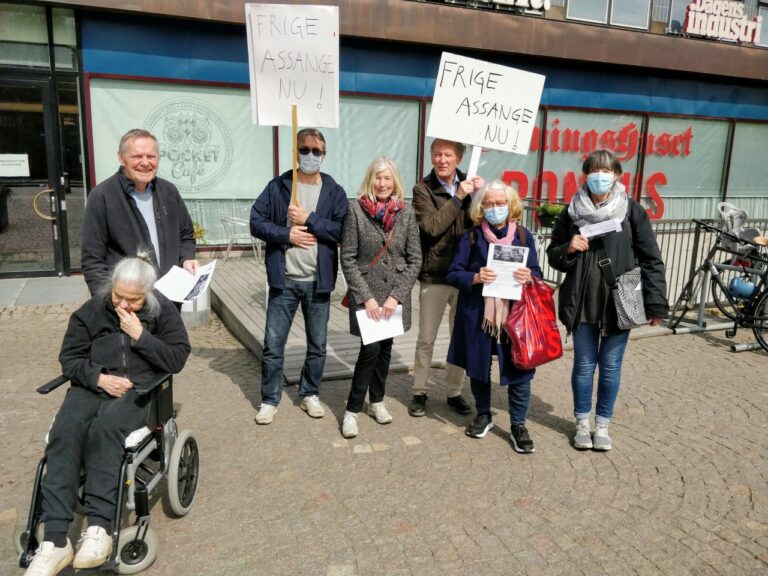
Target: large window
[588,10]
[24,37]
[209,149]
[571,136]
[684,165]
[368,128]
[763,11]
[630,13]
[749,171]
[677,15]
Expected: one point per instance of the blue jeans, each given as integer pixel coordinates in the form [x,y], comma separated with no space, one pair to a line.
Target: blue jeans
[280,312]
[591,350]
[519,396]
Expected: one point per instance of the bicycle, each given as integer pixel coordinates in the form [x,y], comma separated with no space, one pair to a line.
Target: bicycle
[738,280]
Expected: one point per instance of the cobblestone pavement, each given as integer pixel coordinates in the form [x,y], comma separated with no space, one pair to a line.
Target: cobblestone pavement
[683,492]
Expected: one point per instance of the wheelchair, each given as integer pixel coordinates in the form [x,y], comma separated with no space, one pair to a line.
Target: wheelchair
[155,452]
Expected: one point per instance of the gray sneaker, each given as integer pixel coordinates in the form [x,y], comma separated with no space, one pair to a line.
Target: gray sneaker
[601,440]
[583,438]
[311,405]
[349,425]
[378,411]
[266,414]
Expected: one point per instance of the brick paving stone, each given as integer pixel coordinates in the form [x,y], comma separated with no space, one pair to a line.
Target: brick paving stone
[682,492]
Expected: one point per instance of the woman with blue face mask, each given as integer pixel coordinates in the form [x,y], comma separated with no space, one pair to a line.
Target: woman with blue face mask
[585,303]
[479,327]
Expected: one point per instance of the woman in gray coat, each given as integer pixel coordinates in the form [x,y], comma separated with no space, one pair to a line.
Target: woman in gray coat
[381,258]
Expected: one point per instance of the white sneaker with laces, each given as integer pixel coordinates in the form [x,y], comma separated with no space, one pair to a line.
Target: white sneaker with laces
[266,414]
[601,440]
[95,548]
[379,411]
[349,425]
[311,405]
[50,560]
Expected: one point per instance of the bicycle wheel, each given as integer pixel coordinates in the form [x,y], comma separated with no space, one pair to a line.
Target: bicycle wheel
[760,323]
[687,300]
[719,296]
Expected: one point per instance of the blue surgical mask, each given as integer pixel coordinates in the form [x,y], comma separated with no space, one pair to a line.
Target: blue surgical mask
[600,183]
[309,163]
[496,215]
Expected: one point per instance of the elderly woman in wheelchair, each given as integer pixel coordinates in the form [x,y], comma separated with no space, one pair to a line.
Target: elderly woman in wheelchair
[115,347]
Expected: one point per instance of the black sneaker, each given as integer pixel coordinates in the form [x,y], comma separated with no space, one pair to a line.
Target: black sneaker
[459,405]
[480,426]
[418,406]
[521,440]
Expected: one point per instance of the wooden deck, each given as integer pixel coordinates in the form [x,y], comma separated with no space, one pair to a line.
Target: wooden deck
[238,295]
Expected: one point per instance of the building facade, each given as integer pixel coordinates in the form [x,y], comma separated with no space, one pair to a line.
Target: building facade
[679,90]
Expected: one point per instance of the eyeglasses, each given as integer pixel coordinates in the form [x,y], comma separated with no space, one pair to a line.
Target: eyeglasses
[494,204]
[315,151]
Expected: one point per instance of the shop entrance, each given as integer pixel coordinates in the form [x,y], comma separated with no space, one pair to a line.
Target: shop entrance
[41,185]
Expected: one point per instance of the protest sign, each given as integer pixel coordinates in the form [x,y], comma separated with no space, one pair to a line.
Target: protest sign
[293,58]
[484,104]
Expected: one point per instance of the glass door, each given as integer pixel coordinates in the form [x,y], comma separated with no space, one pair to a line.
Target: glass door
[32,211]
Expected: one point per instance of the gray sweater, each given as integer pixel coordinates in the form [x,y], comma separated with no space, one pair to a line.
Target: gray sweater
[395,271]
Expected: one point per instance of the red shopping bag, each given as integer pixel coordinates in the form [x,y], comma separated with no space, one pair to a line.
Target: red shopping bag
[532,327]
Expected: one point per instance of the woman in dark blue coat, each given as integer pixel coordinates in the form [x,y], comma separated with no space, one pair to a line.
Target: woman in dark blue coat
[479,331]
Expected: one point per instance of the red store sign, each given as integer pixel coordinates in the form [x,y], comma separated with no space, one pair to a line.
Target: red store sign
[626,143]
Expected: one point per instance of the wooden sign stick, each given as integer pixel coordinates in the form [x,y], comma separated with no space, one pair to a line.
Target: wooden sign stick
[294,115]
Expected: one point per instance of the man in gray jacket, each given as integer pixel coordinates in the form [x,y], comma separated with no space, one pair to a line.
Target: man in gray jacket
[135,210]
[441,201]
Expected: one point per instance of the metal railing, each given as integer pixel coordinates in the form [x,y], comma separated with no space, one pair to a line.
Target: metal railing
[683,245]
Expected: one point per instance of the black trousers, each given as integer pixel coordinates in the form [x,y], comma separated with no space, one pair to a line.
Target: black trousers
[370,374]
[88,434]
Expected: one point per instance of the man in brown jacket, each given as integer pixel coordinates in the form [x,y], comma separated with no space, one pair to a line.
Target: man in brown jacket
[441,201]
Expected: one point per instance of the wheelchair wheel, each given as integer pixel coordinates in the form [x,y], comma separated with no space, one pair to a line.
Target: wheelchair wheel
[20,537]
[134,556]
[183,473]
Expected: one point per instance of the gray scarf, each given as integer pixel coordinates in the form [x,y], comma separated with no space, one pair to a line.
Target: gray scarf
[582,211]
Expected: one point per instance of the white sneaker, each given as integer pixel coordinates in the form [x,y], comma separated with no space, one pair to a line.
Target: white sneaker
[266,414]
[311,405]
[349,425]
[601,440]
[583,437]
[95,548]
[379,412]
[49,560]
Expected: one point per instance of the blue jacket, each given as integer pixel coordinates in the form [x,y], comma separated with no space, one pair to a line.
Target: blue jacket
[269,222]
[471,347]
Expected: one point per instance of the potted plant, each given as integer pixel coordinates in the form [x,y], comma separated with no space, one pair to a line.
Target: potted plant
[199,231]
[548,213]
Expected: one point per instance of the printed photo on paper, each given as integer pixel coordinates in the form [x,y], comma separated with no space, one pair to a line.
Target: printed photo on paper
[504,260]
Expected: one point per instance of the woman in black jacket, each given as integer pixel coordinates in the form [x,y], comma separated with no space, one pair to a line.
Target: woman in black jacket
[115,345]
[585,304]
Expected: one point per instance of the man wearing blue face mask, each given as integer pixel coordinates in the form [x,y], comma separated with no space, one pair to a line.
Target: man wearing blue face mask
[302,262]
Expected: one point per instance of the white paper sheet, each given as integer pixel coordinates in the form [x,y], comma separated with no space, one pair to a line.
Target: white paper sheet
[505,260]
[373,331]
[601,228]
[181,286]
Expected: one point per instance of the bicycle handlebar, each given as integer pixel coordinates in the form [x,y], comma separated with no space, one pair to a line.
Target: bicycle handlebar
[722,232]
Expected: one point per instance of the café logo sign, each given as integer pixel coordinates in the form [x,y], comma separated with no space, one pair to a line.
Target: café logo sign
[721,20]
[195,143]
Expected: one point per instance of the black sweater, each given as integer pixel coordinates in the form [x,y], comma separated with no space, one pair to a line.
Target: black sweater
[113,228]
[635,244]
[94,344]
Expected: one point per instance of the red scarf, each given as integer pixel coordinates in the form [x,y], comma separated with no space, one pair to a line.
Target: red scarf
[383,212]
